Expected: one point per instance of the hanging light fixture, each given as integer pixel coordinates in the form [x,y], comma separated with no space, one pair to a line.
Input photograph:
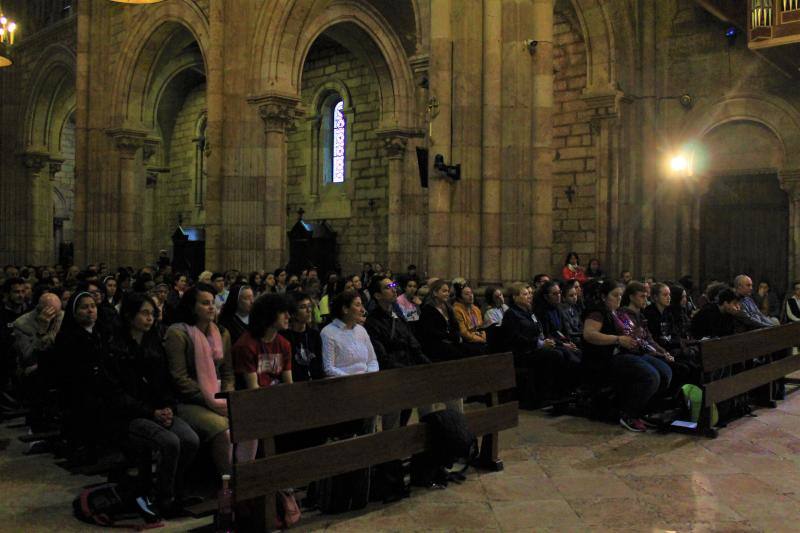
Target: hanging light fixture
[7,29]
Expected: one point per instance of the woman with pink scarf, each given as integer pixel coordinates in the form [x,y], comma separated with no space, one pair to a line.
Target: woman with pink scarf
[199,357]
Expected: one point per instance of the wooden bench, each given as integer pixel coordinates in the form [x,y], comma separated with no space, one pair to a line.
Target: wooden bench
[264,413]
[721,353]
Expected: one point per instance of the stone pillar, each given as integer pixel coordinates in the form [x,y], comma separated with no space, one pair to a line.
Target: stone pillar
[603,109]
[398,246]
[790,182]
[440,139]
[542,152]
[38,224]
[491,153]
[128,196]
[278,113]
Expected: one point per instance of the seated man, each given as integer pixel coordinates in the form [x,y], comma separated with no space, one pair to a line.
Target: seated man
[34,334]
[522,334]
[750,316]
[717,318]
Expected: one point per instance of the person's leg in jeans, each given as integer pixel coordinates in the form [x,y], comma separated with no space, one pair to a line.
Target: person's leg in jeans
[664,372]
[636,381]
[190,443]
[147,434]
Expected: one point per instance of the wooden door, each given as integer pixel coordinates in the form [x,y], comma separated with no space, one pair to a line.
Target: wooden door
[744,228]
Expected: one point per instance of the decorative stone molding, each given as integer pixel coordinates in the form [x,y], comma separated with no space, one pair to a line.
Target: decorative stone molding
[603,103]
[278,111]
[395,141]
[35,161]
[151,180]
[128,141]
[54,167]
[790,182]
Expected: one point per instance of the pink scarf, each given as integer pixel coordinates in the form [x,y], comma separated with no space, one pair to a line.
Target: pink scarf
[207,351]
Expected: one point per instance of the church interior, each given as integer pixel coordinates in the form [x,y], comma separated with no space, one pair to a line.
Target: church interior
[483,140]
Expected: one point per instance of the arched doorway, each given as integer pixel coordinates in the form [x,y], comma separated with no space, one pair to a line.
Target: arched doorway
[744,229]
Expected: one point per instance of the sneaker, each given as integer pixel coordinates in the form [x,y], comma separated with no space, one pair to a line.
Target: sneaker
[636,425]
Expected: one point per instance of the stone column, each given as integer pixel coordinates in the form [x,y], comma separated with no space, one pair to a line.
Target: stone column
[395,144]
[38,224]
[790,182]
[278,113]
[603,112]
[440,139]
[542,151]
[128,197]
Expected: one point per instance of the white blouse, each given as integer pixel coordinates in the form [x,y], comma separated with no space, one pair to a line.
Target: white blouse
[347,351]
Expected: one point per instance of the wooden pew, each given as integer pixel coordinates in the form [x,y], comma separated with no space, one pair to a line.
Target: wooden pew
[264,413]
[724,352]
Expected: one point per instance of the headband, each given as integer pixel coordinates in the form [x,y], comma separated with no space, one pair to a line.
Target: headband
[78,297]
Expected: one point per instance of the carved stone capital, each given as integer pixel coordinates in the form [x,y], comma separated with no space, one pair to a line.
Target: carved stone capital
[395,141]
[54,166]
[128,141]
[151,180]
[278,111]
[35,161]
[603,103]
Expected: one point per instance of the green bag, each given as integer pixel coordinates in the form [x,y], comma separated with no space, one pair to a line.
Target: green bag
[694,402]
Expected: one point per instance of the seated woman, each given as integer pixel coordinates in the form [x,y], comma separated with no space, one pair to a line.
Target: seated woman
[495,305]
[438,327]
[572,309]
[142,406]
[347,351]
[304,339]
[470,322]
[408,303]
[547,308]
[235,314]
[594,270]
[199,359]
[609,351]
[261,356]
[346,348]
[572,268]
[79,351]
[522,334]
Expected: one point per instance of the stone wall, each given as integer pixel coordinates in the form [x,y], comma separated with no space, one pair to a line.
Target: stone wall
[574,157]
[65,180]
[361,229]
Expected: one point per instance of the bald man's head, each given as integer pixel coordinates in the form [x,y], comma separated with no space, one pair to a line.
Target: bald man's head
[743,285]
[49,299]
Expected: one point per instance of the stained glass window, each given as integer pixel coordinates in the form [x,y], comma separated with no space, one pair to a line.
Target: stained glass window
[338,142]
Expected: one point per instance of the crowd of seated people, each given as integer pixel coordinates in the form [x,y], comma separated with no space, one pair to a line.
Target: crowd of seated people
[135,359]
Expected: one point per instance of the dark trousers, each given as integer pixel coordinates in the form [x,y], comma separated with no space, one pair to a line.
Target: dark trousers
[637,379]
[176,445]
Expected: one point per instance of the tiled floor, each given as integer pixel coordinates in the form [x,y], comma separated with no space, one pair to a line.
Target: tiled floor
[562,474]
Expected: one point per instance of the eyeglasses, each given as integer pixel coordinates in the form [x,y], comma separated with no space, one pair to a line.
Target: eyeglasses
[391,285]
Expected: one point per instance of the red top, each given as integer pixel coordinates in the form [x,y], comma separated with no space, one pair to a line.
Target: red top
[567,273]
[267,359]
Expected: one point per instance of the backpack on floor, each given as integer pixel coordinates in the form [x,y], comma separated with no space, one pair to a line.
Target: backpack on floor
[108,505]
[694,402]
[451,442]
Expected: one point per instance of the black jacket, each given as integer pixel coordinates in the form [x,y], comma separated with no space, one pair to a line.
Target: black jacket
[395,345]
[140,381]
[711,322]
[235,327]
[439,337]
[520,331]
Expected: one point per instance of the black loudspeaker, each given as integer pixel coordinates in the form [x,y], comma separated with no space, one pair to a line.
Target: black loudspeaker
[422,162]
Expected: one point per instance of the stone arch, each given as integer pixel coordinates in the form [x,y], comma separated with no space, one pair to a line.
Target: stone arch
[52,100]
[289,34]
[322,91]
[773,113]
[140,65]
[598,34]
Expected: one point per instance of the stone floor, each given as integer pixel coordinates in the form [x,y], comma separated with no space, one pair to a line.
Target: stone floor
[561,474]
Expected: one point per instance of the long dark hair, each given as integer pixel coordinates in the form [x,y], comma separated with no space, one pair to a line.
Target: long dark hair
[131,305]
[185,310]
[595,291]
[342,300]
[540,303]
